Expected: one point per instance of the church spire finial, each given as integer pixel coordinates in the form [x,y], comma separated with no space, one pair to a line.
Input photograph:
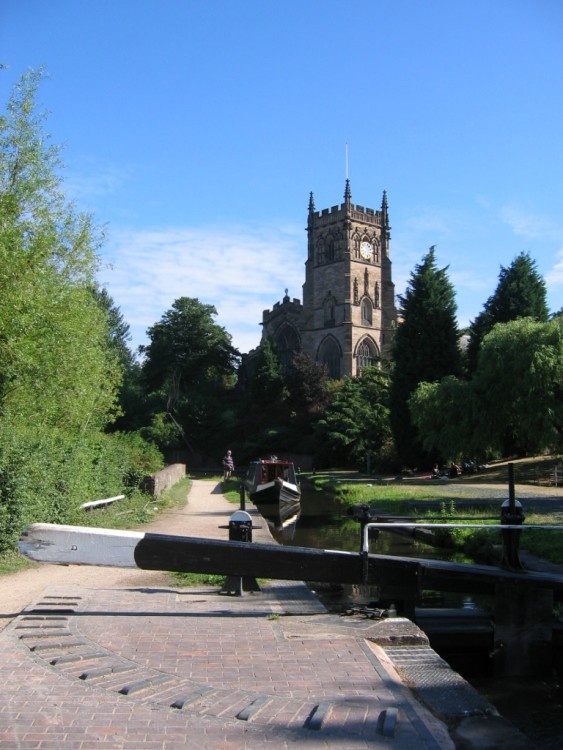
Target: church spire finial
[384,209]
[311,203]
[347,193]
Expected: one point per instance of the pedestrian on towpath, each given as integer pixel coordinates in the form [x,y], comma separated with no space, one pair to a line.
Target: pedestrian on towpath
[228,465]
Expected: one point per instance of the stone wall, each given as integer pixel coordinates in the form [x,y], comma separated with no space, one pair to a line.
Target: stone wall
[156,484]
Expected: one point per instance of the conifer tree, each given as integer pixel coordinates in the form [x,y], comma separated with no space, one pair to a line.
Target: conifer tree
[520,293]
[425,349]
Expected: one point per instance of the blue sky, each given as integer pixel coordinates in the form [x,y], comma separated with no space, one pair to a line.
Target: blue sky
[196,129]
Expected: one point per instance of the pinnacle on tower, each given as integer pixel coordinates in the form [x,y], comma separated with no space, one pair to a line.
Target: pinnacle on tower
[384,207]
[347,193]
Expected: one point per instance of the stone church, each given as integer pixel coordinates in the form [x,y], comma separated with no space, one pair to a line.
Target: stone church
[348,311]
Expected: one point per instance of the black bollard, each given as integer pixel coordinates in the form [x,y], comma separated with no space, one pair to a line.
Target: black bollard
[242,498]
[240,530]
[511,514]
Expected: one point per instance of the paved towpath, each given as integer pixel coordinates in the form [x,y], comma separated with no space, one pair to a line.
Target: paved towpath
[122,660]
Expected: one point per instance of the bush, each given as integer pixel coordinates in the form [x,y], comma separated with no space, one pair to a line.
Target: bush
[46,474]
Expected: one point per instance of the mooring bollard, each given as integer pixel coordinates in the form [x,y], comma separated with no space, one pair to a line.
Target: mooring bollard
[511,514]
[240,530]
[242,497]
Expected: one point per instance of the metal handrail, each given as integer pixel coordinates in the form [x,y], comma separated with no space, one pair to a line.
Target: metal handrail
[411,525]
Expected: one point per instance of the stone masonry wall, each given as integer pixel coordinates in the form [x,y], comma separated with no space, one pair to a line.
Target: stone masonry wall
[157,483]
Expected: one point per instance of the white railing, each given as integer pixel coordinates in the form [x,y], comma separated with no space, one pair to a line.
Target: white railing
[98,503]
[414,525]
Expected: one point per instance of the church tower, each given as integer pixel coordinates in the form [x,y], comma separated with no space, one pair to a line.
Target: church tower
[348,309]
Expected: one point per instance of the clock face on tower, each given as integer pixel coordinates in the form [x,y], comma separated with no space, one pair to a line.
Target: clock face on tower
[365,250]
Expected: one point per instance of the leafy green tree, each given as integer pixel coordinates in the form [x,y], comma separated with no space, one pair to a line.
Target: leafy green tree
[425,349]
[520,293]
[267,384]
[355,420]
[441,413]
[133,411]
[188,371]
[513,404]
[518,387]
[188,349]
[59,375]
[55,366]
[306,382]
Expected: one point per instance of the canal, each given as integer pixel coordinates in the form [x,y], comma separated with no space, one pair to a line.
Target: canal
[534,706]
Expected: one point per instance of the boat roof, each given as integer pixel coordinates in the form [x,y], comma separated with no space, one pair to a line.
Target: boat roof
[271,460]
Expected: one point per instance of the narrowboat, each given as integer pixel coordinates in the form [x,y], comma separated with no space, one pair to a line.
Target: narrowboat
[271,484]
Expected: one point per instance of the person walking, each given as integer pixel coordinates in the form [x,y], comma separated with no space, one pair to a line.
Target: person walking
[228,466]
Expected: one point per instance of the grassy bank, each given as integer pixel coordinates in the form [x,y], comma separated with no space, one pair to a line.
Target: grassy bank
[434,501]
[130,513]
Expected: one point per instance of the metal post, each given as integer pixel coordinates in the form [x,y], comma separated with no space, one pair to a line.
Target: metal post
[242,497]
[240,530]
[511,514]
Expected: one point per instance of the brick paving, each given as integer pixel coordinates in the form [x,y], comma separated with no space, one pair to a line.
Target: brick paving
[143,668]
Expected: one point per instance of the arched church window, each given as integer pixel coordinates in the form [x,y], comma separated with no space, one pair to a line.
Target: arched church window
[329,312]
[366,355]
[287,344]
[330,250]
[356,243]
[320,252]
[367,317]
[329,355]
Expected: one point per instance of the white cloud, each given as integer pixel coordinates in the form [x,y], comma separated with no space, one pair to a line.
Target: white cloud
[240,270]
[529,226]
[92,180]
[554,277]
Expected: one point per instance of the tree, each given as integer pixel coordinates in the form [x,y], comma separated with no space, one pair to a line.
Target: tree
[513,403]
[188,370]
[425,349]
[55,364]
[355,420]
[187,349]
[518,387]
[520,293]
[59,376]
[267,385]
[306,382]
[441,413]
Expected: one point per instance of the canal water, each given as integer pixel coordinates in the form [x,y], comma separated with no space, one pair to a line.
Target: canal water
[534,706]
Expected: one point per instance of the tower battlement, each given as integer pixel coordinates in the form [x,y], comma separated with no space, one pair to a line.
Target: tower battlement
[353,211]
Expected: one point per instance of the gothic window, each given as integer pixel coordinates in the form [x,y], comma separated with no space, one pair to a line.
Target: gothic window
[320,252]
[329,311]
[366,355]
[366,312]
[356,243]
[329,355]
[366,282]
[287,344]
[376,251]
[330,250]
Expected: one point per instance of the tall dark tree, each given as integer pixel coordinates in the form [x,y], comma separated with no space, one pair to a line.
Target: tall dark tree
[306,382]
[355,421]
[267,387]
[425,348]
[520,293]
[189,366]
